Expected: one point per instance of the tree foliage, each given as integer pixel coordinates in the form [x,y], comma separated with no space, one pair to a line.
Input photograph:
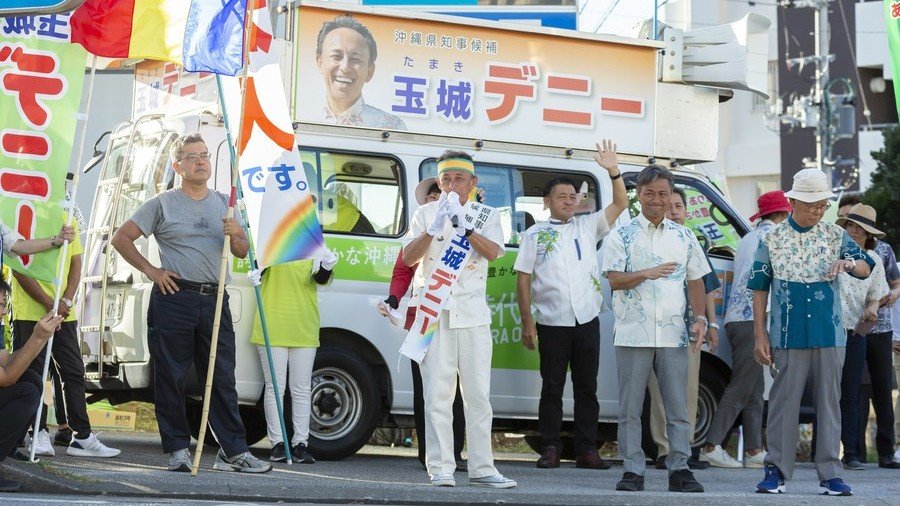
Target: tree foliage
[884,194]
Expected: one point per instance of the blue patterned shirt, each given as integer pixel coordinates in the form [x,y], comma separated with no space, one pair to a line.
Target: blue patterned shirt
[892,273]
[793,262]
[740,300]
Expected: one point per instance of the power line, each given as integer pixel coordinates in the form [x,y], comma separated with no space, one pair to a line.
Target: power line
[605,15]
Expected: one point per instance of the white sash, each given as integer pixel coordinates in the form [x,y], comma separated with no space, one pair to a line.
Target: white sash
[455,253]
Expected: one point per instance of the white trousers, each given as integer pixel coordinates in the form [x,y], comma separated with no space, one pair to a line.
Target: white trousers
[300,362]
[466,352]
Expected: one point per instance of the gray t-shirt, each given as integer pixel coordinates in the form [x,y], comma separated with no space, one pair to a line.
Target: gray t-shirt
[189,232]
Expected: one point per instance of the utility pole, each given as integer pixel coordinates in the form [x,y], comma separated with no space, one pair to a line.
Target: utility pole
[814,110]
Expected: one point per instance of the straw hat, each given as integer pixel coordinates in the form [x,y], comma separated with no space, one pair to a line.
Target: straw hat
[810,185]
[864,216]
[423,187]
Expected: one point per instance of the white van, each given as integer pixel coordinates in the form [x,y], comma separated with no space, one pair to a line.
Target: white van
[364,180]
[360,381]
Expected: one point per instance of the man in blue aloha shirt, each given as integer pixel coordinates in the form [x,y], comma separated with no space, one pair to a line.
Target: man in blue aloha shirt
[798,260]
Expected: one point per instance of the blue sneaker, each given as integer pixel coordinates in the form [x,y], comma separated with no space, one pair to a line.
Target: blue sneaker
[773,483]
[834,486]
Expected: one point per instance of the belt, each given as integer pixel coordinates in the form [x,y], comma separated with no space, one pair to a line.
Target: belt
[203,288]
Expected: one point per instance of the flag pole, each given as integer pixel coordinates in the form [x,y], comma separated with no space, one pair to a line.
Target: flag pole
[235,190]
[64,252]
[254,265]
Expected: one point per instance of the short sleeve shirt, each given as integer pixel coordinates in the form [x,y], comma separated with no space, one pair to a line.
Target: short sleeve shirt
[652,313]
[8,237]
[740,300]
[565,283]
[793,263]
[26,308]
[189,232]
[467,306]
[857,293]
[891,273]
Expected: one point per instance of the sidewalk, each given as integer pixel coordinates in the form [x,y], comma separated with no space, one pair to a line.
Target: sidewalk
[393,475]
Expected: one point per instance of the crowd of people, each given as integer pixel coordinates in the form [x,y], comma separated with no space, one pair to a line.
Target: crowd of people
[826,326]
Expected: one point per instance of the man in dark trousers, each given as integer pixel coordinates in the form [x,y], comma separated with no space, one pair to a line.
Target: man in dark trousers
[187,223]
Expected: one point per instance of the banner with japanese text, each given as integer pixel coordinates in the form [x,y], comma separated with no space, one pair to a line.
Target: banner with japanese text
[456,78]
[41,78]
[280,209]
[892,26]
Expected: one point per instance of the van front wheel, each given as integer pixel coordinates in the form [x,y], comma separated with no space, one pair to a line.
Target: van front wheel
[345,404]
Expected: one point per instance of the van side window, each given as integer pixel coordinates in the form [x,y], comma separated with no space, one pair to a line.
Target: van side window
[357,194]
[716,231]
[517,194]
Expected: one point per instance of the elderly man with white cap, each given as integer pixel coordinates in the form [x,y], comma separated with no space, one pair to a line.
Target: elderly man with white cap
[798,260]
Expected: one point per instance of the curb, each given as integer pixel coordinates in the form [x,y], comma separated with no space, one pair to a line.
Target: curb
[36,479]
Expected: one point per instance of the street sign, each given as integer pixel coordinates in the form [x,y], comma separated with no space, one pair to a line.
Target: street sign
[17,7]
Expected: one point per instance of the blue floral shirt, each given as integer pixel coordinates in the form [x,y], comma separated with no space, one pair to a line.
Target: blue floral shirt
[740,300]
[793,263]
[652,313]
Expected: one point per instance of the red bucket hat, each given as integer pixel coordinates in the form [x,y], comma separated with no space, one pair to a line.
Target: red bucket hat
[771,202]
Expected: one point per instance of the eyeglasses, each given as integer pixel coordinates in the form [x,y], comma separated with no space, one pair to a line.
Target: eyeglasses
[821,208]
[195,157]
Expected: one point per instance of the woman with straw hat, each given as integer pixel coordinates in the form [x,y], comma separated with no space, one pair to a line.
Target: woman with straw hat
[860,299]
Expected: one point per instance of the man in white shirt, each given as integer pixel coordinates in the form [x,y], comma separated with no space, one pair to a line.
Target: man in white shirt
[558,274]
[647,263]
[461,343]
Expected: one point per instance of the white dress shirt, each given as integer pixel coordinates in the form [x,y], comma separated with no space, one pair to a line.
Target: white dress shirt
[652,313]
[467,306]
[562,259]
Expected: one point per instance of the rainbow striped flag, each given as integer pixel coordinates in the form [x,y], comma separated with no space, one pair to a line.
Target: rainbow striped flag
[280,209]
[200,35]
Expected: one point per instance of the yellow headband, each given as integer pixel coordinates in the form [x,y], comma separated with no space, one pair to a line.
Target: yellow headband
[456,164]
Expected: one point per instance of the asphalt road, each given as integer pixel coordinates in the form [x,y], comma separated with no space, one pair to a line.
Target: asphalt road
[380,475]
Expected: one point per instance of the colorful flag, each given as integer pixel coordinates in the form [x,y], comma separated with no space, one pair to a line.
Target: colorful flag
[200,35]
[271,171]
[892,25]
[41,79]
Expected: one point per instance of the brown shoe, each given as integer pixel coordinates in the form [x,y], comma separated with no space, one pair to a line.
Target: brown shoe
[591,460]
[549,459]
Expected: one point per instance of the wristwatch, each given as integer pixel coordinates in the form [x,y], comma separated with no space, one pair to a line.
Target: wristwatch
[469,232]
[68,302]
[713,325]
[703,319]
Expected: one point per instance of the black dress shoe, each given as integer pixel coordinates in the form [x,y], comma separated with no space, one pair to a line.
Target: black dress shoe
[888,462]
[630,482]
[683,480]
[549,459]
[853,464]
[695,463]
[661,462]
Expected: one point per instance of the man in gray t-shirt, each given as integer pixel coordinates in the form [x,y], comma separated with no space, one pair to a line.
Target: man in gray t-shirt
[187,223]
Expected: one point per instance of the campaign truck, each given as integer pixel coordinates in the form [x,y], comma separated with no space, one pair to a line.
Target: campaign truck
[528,103]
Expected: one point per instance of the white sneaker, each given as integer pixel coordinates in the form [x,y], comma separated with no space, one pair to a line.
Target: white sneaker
[495,481]
[443,480]
[756,461]
[718,457]
[90,447]
[43,444]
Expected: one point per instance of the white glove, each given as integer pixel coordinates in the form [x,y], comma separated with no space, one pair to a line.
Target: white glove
[456,212]
[255,277]
[328,259]
[440,218]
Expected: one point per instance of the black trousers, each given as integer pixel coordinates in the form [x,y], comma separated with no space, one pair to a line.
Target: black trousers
[179,332]
[65,364]
[459,417]
[562,348]
[17,404]
[851,378]
[879,357]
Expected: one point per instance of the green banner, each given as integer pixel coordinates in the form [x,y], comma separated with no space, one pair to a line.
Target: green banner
[892,26]
[41,78]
